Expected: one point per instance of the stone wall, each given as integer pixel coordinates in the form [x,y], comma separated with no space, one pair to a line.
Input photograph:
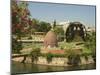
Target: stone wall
[89,60]
[56,61]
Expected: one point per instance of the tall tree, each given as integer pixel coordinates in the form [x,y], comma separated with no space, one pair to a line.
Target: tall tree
[44,26]
[20,22]
[54,24]
[20,18]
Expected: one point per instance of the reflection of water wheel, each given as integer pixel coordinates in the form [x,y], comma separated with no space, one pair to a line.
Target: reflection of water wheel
[75,32]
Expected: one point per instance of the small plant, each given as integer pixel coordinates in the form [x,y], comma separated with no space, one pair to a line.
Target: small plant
[49,57]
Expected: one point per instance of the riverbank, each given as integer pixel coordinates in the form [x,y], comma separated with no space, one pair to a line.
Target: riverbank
[55,61]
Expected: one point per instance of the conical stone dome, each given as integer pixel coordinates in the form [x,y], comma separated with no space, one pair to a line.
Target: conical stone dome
[50,39]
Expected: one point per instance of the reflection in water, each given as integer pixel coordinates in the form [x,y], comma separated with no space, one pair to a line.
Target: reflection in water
[33,68]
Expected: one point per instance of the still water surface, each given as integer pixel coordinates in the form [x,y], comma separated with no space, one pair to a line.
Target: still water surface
[17,68]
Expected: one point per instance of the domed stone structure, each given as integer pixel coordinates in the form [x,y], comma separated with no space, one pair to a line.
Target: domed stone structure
[75,32]
[50,39]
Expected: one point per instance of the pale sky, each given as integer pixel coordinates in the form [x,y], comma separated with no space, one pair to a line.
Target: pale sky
[63,12]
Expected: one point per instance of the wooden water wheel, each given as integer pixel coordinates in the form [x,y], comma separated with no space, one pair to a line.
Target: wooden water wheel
[75,32]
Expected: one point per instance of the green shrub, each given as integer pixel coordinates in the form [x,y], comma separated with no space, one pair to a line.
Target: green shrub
[49,57]
[30,37]
[35,53]
[73,57]
[16,46]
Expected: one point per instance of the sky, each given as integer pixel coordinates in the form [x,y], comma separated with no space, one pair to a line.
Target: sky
[62,12]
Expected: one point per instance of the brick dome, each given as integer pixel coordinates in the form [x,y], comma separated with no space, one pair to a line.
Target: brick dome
[50,39]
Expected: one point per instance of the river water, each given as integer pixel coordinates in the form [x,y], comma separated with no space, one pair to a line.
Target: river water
[21,68]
